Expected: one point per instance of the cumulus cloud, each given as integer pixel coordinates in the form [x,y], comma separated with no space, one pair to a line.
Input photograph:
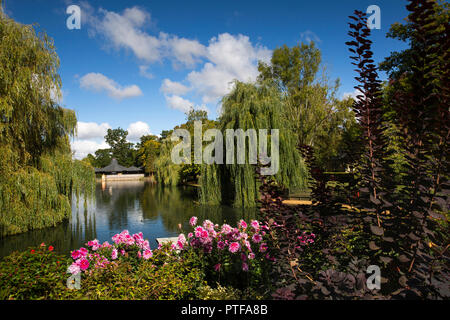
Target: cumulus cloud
[137,130]
[179,103]
[127,31]
[143,72]
[124,31]
[353,94]
[99,82]
[172,87]
[224,59]
[90,130]
[91,136]
[82,148]
[230,58]
[185,51]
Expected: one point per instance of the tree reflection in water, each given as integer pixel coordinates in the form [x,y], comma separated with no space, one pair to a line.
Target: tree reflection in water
[132,205]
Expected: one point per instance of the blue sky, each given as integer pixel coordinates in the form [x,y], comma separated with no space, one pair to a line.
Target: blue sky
[140,64]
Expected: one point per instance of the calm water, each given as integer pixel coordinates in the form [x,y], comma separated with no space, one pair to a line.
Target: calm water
[132,205]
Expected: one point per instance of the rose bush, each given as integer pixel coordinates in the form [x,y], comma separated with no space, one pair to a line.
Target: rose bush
[237,256]
[125,247]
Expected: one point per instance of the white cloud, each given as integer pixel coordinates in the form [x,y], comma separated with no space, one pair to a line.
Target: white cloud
[187,52]
[351,94]
[230,58]
[309,36]
[226,57]
[143,72]
[127,31]
[82,147]
[124,31]
[90,130]
[99,82]
[178,103]
[91,135]
[172,87]
[137,129]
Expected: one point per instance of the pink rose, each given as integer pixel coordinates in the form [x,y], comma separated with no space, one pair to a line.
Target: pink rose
[75,254]
[255,224]
[193,221]
[234,247]
[74,268]
[221,245]
[83,252]
[243,224]
[257,238]
[148,254]
[114,254]
[226,229]
[83,263]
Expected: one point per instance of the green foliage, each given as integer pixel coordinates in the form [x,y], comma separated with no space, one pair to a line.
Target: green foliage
[167,171]
[250,106]
[310,107]
[120,148]
[337,143]
[41,274]
[38,273]
[220,292]
[163,277]
[102,158]
[172,174]
[89,159]
[37,173]
[147,152]
[192,171]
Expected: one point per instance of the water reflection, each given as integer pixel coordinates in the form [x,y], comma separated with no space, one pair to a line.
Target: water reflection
[133,205]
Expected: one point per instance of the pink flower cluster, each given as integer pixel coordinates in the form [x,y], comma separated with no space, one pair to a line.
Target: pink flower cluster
[305,238]
[98,256]
[243,242]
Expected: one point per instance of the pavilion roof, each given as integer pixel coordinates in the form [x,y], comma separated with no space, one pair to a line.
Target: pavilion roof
[114,166]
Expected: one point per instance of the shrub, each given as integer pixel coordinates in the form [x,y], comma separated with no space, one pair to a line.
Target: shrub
[165,276]
[129,269]
[219,293]
[38,273]
[232,256]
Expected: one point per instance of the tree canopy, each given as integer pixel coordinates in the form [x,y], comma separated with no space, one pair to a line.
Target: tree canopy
[310,106]
[252,106]
[37,173]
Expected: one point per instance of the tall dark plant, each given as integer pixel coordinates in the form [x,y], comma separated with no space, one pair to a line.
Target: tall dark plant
[421,105]
[368,111]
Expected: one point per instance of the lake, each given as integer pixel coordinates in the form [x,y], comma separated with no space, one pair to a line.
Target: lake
[133,205]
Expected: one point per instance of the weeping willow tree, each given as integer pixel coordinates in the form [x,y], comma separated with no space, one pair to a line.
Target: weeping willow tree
[168,173]
[251,106]
[37,174]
